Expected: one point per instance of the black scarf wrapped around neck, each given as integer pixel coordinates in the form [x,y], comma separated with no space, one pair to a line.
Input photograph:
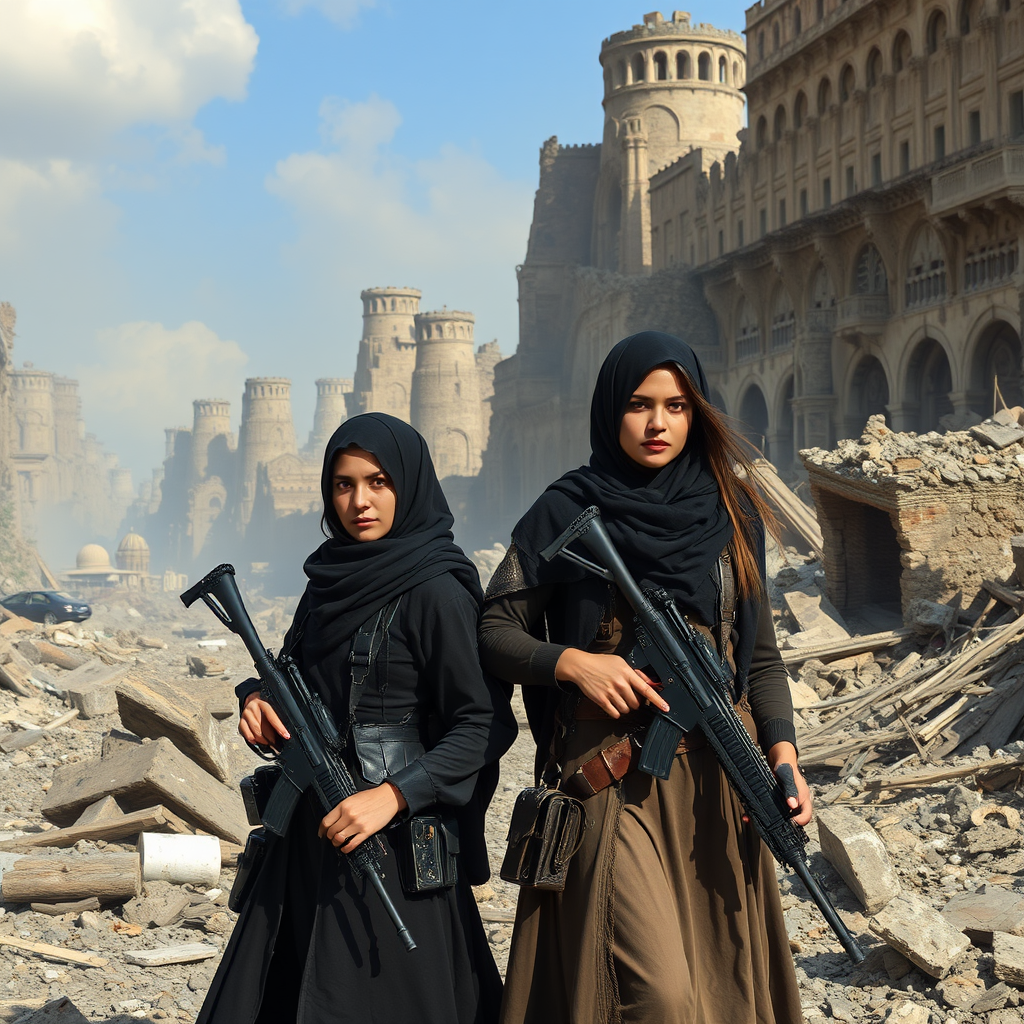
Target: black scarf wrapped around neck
[350,580]
[669,525]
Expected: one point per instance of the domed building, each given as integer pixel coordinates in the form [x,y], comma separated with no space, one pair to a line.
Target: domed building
[94,571]
[133,554]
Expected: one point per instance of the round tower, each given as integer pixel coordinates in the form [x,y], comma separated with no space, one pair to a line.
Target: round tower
[330,412]
[267,431]
[669,87]
[67,417]
[446,407]
[210,418]
[133,553]
[387,352]
[32,394]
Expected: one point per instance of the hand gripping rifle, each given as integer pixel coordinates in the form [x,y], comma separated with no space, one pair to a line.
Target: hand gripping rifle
[312,757]
[695,687]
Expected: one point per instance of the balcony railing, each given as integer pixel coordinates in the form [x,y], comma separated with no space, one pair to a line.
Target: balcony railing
[748,346]
[821,321]
[863,311]
[976,178]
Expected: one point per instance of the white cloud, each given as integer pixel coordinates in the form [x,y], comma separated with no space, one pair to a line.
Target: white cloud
[144,378]
[341,12]
[73,73]
[448,223]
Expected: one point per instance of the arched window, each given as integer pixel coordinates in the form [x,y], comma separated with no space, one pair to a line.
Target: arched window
[760,46]
[722,70]
[683,65]
[621,76]
[704,67]
[819,9]
[392,305]
[871,278]
[639,68]
[822,295]
[926,270]
[798,22]
[736,74]
[936,34]
[660,67]
[901,52]
[966,17]
[779,126]
[799,110]
[762,132]
[748,333]
[873,71]
[783,321]
[824,96]
[847,83]
[776,37]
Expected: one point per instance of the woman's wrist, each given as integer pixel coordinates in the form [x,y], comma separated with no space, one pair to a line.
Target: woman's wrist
[568,662]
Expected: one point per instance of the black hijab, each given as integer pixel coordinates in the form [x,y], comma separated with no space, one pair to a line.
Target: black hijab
[349,580]
[669,525]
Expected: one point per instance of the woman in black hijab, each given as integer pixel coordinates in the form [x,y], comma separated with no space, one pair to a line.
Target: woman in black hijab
[671,911]
[313,942]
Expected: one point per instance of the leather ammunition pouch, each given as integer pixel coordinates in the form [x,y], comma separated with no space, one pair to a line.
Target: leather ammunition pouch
[256,789]
[383,750]
[545,831]
[250,860]
[426,846]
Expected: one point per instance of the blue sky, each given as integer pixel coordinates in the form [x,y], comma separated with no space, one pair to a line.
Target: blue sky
[195,191]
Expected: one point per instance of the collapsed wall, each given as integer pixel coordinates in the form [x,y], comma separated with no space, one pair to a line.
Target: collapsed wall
[906,516]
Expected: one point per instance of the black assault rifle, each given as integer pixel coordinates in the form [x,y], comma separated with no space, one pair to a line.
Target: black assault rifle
[312,757]
[695,686]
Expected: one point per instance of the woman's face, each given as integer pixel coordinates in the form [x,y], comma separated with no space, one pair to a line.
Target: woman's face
[363,495]
[657,419]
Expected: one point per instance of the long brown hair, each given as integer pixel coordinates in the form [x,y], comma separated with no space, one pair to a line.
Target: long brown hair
[729,456]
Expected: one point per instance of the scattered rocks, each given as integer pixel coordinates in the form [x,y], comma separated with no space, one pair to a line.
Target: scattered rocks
[920,933]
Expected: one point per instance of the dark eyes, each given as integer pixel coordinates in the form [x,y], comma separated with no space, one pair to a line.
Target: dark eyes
[637,405]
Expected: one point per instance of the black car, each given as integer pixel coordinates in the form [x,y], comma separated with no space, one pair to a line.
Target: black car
[47,606]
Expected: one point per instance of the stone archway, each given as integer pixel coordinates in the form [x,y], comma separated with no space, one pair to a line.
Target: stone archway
[996,361]
[754,419]
[868,395]
[928,384]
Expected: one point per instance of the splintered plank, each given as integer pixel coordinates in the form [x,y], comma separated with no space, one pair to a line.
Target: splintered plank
[186,953]
[48,952]
[110,830]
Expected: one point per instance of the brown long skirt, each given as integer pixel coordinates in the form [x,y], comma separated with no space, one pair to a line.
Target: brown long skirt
[670,915]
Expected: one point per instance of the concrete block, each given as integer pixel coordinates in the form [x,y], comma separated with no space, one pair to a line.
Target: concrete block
[920,933]
[116,740]
[157,709]
[90,688]
[812,610]
[924,616]
[857,852]
[205,665]
[999,435]
[909,1013]
[994,999]
[1008,958]
[985,911]
[105,809]
[161,905]
[152,773]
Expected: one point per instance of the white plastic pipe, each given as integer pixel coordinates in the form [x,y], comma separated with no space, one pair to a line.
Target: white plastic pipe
[180,859]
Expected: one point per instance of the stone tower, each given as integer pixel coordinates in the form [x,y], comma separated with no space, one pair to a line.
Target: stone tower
[211,417]
[387,352]
[446,405]
[67,417]
[33,411]
[331,412]
[267,431]
[669,87]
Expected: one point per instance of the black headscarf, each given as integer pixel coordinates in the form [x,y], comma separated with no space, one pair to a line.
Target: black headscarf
[350,579]
[669,525]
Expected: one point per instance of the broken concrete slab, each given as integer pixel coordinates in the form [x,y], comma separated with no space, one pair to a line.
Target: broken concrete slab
[105,809]
[927,617]
[810,609]
[909,1013]
[1008,958]
[998,435]
[116,740]
[62,657]
[16,624]
[990,838]
[920,933]
[152,773]
[56,1011]
[186,953]
[90,687]
[994,999]
[205,665]
[156,709]
[160,905]
[857,852]
[986,910]
[960,993]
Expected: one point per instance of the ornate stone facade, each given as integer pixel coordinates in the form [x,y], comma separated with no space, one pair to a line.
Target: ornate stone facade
[856,253]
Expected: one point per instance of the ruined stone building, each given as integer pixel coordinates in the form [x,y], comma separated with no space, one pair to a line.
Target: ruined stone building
[255,499]
[855,250]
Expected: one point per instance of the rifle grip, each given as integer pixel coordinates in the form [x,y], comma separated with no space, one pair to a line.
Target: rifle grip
[281,805]
[659,749]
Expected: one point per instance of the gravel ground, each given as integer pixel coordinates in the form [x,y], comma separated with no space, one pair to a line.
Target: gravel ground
[923,831]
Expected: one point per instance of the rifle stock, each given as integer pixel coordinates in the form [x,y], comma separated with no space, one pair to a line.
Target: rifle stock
[695,686]
[312,757]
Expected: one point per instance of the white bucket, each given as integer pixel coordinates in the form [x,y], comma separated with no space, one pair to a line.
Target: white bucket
[180,859]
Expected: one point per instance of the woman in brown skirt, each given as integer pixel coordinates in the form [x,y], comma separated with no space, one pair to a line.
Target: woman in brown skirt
[671,911]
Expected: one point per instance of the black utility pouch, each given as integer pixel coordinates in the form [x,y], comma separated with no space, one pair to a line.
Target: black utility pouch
[250,860]
[426,846]
[256,790]
[545,831]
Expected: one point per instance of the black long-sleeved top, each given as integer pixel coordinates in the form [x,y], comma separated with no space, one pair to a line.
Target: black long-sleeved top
[509,649]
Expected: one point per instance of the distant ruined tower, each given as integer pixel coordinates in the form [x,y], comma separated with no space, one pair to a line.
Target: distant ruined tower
[669,87]
[331,412]
[67,418]
[446,406]
[267,431]
[33,411]
[211,417]
[387,352]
